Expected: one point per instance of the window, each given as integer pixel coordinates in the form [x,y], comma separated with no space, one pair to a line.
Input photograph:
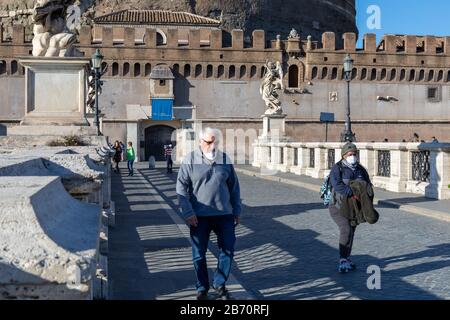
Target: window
[354,73]
[13,67]
[2,67]
[162,83]
[431,75]
[209,71]
[161,38]
[421,75]
[334,74]
[253,72]
[220,71]
[363,74]
[314,73]
[242,72]
[393,74]
[434,94]
[324,72]
[148,69]
[383,74]
[126,69]
[232,72]
[115,69]
[187,70]
[198,70]
[137,69]
[402,74]
[373,75]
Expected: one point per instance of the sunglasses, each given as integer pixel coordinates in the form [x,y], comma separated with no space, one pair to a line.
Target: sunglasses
[208,142]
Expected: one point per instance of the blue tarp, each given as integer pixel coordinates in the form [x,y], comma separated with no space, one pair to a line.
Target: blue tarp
[162,109]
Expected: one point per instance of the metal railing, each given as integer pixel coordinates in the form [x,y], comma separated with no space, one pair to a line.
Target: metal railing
[384,163]
[420,162]
[295,157]
[312,158]
[331,158]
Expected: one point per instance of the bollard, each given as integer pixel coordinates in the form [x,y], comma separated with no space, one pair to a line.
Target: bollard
[151,162]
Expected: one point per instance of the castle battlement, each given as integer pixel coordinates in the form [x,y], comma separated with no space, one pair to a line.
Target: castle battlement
[196,38]
[131,52]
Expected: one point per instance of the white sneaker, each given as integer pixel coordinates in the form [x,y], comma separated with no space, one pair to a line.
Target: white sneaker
[344,266]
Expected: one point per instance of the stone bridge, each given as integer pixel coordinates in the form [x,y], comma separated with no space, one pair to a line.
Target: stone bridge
[286,243]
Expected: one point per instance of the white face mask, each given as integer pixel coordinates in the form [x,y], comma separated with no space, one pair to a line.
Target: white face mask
[352,160]
[210,155]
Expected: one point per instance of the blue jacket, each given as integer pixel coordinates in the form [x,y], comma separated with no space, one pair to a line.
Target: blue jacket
[340,182]
[208,188]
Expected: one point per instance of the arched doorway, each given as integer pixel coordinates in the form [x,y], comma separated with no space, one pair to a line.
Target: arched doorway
[293,76]
[155,139]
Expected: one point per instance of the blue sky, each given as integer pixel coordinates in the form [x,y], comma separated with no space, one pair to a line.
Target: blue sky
[418,17]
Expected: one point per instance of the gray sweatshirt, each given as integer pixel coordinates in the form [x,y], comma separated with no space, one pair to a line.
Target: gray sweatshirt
[208,188]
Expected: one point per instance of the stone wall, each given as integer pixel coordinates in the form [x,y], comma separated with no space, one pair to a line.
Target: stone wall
[53,245]
[391,79]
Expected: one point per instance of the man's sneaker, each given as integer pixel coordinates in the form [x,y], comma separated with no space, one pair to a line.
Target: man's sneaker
[223,293]
[344,266]
[202,295]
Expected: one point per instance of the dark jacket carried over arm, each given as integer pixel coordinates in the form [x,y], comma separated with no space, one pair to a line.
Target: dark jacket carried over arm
[363,208]
[346,183]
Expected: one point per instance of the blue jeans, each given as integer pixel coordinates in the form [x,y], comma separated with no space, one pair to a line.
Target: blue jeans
[130,166]
[223,227]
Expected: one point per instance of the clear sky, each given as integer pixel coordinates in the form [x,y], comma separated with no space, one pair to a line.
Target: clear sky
[417,17]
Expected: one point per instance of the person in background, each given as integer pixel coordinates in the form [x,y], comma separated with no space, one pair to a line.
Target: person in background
[415,138]
[131,156]
[168,154]
[434,140]
[123,150]
[117,155]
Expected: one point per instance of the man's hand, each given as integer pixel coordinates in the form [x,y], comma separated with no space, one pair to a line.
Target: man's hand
[192,221]
[237,220]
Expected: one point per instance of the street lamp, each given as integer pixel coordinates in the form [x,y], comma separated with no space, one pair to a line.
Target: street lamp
[348,135]
[97,60]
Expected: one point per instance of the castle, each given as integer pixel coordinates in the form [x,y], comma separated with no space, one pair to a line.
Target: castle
[180,63]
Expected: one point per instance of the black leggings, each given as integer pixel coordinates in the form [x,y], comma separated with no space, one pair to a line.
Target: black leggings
[346,233]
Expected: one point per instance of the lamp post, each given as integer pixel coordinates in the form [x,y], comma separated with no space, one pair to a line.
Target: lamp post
[348,135]
[97,60]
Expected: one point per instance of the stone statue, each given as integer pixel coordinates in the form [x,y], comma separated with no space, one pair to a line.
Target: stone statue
[272,81]
[293,34]
[51,36]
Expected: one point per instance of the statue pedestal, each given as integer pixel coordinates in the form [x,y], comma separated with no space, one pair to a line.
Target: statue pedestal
[274,128]
[55,96]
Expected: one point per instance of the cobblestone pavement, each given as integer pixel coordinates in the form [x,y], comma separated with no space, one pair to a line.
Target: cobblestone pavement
[149,250]
[287,247]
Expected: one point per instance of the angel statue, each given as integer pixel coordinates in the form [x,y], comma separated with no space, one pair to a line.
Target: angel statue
[272,81]
[51,35]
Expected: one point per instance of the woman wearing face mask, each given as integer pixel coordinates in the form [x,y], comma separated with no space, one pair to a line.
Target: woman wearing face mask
[346,170]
